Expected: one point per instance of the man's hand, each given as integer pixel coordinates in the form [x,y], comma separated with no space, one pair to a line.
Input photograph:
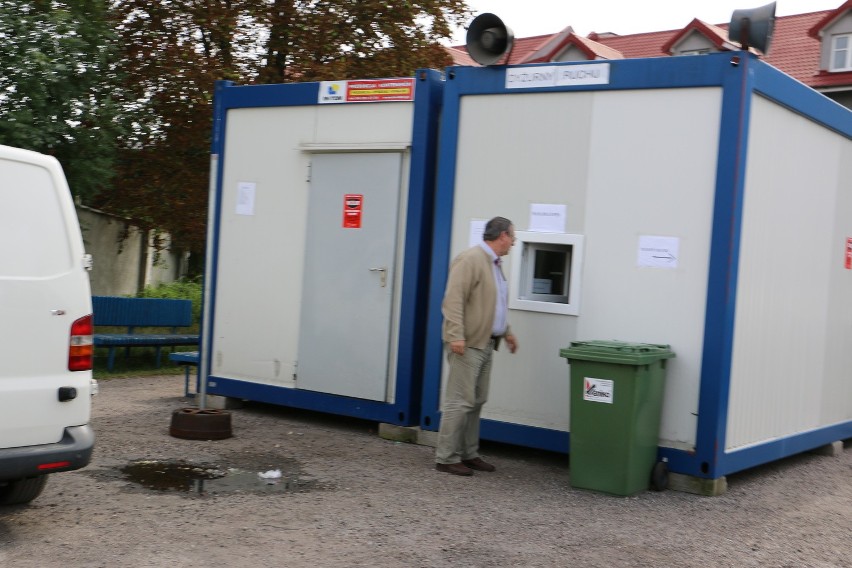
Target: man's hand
[512,343]
[457,347]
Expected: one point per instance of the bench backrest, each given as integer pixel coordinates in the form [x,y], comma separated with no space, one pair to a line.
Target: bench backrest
[149,312]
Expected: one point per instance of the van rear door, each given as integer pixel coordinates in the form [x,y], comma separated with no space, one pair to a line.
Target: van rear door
[44,288]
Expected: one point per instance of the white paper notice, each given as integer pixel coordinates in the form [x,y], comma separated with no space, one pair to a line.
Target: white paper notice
[658,252]
[245,197]
[547,218]
[477,229]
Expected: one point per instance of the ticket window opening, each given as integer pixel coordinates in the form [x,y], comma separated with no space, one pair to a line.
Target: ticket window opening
[546,272]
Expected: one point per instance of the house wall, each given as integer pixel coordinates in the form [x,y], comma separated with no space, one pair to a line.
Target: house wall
[123,261]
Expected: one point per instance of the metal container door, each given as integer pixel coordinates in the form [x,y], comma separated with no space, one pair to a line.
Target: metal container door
[348,287]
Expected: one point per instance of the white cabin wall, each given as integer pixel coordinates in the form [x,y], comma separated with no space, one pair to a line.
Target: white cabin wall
[793,327]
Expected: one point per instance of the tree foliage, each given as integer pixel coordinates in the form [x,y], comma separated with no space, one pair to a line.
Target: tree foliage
[58,83]
[344,39]
[150,132]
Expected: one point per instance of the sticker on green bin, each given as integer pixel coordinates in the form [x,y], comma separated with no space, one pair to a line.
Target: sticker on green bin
[599,390]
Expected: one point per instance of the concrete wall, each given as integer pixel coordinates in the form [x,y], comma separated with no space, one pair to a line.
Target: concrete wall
[124,260]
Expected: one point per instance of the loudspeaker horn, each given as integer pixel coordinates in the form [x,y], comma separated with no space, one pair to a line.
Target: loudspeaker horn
[488,38]
[753,27]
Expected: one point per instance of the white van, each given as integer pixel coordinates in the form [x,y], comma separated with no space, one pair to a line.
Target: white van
[45,328]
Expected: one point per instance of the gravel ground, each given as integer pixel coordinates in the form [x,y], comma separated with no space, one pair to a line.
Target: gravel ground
[350,498]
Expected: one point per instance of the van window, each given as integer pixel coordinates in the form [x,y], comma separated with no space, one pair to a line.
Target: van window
[33,235]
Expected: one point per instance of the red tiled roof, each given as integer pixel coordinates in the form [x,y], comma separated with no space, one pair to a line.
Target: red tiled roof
[826,79]
[638,45]
[794,49]
[717,35]
[461,57]
[591,48]
[548,49]
[526,46]
[522,48]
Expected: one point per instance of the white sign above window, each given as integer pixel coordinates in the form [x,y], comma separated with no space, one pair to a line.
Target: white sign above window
[535,76]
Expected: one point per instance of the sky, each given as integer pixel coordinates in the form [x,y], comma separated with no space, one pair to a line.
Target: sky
[537,17]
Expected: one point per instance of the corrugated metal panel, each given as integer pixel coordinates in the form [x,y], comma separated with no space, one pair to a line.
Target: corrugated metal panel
[789,345]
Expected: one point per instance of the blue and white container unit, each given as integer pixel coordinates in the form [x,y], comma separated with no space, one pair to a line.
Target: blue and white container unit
[321,204]
[701,202]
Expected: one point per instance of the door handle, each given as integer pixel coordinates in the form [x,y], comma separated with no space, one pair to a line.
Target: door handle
[384,272]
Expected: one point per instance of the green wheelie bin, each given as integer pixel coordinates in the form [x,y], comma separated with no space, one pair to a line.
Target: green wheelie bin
[616,394]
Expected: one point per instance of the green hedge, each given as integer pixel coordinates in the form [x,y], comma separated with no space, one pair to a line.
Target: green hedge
[178,290]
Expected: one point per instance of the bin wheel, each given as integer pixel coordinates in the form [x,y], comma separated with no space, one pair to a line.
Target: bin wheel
[660,477]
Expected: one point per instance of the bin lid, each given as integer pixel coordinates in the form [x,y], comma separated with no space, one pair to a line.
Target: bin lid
[620,352]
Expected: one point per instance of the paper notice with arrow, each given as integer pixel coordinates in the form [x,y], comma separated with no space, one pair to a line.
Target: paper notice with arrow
[658,252]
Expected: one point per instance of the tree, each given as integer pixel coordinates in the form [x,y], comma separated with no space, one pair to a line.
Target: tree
[57,86]
[344,39]
[174,51]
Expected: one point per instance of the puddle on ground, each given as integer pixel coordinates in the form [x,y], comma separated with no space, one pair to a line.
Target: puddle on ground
[210,479]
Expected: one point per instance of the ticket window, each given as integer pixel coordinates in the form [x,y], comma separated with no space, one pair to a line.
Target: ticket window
[546,273]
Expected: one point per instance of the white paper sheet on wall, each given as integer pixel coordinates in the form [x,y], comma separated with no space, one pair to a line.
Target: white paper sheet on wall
[245,197]
[547,218]
[658,252]
[477,228]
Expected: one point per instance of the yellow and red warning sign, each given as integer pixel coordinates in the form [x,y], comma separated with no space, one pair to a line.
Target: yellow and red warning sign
[367,91]
[352,207]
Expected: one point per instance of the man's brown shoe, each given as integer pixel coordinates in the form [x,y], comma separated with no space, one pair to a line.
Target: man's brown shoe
[479,465]
[454,468]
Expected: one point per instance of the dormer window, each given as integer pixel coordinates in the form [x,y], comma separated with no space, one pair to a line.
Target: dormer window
[841,52]
[698,38]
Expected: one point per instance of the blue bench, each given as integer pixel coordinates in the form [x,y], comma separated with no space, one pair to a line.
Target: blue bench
[187,359]
[134,313]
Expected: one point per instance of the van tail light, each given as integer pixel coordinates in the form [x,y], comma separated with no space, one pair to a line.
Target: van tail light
[53,465]
[81,349]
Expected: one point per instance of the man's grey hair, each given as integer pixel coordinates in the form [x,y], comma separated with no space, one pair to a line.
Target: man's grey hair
[495,227]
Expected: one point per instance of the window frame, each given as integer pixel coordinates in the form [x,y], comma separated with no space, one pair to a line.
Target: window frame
[834,51]
[521,296]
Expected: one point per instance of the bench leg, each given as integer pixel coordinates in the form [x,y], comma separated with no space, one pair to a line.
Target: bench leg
[158,356]
[186,381]
[187,369]
[111,359]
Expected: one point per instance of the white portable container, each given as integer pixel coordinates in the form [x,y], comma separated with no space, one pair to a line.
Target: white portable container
[46,336]
[320,216]
[701,202]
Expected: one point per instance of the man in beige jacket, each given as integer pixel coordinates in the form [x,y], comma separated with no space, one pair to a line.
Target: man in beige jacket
[475,320]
